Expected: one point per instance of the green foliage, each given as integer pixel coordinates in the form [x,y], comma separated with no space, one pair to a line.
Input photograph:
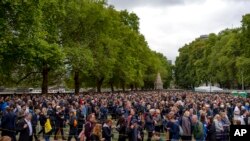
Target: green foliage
[222,59]
[83,43]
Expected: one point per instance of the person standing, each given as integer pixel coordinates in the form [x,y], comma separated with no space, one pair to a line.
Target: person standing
[59,123]
[186,124]
[91,120]
[211,131]
[80,120]
[47,124]
[158,121]
[219,127]
[198,131]
[25,128]
[149,124]
[72,126]
[42,119]
[107,130]
[173,127]
[96,134]
[34,122]
[122,129]
[8,123]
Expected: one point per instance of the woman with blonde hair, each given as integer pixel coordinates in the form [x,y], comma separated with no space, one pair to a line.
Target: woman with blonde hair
[96,134]
[218,127]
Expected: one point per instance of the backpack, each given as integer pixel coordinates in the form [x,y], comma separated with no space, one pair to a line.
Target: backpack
[47,126]
[75,123]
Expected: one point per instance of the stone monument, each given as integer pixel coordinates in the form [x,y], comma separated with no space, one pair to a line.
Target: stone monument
[158,82]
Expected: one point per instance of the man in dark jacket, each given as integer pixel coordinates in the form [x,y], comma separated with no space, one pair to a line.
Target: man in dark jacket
[80,120]
[34,122]
[25,128]
[59,123]
[150,127]
[72,126]
[133,130]
[8,124]
[42,119]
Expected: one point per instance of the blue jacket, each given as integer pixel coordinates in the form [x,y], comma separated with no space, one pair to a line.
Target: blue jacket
[3,106]
[174,131]
[8,121]
[84,111]
[106,132]
[104,112]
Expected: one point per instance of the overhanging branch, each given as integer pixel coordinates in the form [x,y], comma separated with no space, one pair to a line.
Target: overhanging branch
[26,76]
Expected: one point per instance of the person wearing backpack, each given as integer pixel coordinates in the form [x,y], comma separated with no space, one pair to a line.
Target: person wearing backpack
[80,120]
[73,126]
[186,125]
[198,131]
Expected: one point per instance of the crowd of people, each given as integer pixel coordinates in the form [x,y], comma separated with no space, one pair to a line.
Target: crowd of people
[134,116]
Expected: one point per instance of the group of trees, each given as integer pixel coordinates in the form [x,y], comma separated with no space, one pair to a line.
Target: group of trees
[222,59]
[78,43]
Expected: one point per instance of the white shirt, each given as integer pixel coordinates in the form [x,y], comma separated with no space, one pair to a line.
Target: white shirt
[30,127]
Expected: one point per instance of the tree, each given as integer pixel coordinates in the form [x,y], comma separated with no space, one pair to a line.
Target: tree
[35,38]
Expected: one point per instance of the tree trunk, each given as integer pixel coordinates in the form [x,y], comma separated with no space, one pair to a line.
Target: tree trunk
[132,87]
[123,87]
[112,86]
[136,88]
[77,82]
[99,84]
[45,73]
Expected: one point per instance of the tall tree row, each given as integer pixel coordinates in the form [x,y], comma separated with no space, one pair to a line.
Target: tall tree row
[221,59]
[78,44]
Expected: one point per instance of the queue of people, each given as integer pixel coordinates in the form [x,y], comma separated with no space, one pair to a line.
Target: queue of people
[134,116]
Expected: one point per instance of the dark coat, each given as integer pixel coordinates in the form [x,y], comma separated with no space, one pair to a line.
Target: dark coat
[8,121]
[173,130]
[24,132]
[94,138]
[60,120]
[122,133]
[149,123]
[132,134]
[88,129]
[72,129]
[42,119]
[211,132]
[106,132]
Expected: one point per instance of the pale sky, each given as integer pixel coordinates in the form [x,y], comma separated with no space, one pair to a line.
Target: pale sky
[168,24]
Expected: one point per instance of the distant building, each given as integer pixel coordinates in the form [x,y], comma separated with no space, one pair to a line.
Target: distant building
[158,82]
[204,37]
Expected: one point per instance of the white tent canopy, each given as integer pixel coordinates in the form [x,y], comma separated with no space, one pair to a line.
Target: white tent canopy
[208,89]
